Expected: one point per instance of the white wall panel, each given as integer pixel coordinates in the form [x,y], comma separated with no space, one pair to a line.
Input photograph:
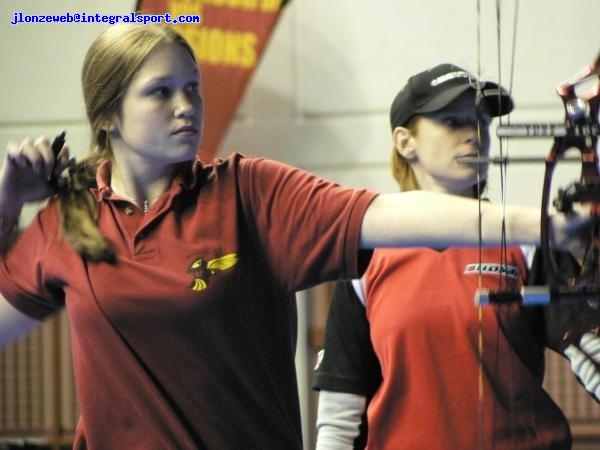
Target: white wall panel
[41,63]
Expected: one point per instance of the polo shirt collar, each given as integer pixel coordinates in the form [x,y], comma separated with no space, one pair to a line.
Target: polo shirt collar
[186,178]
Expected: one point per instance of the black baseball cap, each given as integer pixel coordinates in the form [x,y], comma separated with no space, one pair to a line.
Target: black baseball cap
[433,89]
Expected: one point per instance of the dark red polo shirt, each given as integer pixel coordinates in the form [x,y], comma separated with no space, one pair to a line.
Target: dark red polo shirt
[188,340]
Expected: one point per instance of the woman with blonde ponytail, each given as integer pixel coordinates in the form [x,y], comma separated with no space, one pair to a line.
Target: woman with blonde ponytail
[179,277]
[108,68]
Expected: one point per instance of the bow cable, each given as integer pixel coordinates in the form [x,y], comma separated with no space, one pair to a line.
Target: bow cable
[503,158]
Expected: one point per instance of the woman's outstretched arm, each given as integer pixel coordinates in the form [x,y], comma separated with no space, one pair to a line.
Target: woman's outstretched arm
[432,219]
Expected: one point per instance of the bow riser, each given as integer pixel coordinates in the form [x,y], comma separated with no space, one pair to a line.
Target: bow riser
[580,131]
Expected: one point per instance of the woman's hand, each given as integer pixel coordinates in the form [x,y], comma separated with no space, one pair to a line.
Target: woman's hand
[27,171]
[571,231]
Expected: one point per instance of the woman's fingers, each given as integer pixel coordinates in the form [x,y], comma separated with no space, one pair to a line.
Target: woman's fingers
[36,156]
[44,157]
[62,161]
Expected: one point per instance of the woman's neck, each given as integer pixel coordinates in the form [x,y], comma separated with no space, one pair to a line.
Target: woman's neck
[144,190]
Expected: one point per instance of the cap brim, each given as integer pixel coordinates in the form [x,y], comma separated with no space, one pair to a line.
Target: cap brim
[443,99]
[496,100]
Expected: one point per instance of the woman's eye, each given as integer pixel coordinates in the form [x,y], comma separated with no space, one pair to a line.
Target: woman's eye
[161,91]
[451,122]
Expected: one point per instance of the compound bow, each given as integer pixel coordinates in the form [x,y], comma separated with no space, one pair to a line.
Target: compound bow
[580,131]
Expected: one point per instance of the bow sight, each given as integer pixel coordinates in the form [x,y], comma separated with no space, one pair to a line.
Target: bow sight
[579,130]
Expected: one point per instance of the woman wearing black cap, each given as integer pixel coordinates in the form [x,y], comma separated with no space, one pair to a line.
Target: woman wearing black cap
[415,357]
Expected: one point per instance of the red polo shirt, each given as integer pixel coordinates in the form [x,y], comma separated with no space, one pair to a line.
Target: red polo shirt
[425,330]
[188,340]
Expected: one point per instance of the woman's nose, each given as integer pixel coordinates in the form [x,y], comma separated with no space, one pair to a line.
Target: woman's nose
[183,106]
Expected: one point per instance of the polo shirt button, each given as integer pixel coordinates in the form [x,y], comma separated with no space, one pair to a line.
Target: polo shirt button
[129,210]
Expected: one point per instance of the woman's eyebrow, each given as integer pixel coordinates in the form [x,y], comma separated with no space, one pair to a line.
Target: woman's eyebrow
[162,78]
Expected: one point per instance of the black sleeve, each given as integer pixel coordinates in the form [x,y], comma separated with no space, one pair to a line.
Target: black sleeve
[564,319]
[539,275]
[347,362]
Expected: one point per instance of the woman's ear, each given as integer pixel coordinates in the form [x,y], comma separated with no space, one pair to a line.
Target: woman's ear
[404,143]
[111,123]
[109,126]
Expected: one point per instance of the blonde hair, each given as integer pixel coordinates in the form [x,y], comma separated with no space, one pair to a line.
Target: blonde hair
[111,62]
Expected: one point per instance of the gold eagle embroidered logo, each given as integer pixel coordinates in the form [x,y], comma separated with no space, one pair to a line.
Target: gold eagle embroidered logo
[204,270]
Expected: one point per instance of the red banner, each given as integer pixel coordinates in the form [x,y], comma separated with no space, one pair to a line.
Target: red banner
[228,42]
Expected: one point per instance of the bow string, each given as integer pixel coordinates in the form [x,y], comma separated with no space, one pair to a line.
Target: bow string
[579,130]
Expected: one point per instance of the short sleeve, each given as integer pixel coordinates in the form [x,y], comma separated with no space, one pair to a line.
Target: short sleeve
[23,281]
[307,227]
